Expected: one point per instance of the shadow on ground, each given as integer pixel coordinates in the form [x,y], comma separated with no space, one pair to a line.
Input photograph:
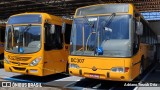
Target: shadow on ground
[30,78]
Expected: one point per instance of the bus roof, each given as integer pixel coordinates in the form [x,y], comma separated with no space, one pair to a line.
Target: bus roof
[26,13]
[45,14]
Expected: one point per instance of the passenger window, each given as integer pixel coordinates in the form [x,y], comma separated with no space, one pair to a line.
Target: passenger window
[47,44]
[57,38]
[136,41]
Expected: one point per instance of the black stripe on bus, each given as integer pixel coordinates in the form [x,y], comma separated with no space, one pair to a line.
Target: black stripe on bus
[136,63]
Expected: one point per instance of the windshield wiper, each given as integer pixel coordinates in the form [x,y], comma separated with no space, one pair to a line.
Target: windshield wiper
[12,32]
[27,28]
[89,23]
[24,31]
[106,25]
[20,48]
[110,19]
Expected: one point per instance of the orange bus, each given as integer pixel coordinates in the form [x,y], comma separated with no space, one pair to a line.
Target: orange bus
[110,42]
[37,44]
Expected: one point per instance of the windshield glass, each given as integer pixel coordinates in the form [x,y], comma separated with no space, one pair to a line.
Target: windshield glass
[23,39]
[90,33]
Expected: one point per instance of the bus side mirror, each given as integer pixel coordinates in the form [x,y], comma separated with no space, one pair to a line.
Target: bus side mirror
[52,31]
[139,28]
[63,27]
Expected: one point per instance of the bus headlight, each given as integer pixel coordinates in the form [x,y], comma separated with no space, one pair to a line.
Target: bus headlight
[35,61]
[120,69]
[117,69]
[73,66]
[6,60]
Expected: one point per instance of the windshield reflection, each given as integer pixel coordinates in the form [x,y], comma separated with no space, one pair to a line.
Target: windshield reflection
[89,33]
[23,39]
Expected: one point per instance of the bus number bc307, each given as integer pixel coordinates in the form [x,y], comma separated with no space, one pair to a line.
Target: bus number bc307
[77,60]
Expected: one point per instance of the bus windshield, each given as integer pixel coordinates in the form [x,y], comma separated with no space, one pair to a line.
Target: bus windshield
[23,39]
[91,32]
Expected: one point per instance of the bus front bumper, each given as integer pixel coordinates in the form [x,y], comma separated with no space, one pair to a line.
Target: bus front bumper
[34,70]
[100,74]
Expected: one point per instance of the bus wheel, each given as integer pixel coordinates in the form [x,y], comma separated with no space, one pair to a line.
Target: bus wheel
[141,70]
[67,69]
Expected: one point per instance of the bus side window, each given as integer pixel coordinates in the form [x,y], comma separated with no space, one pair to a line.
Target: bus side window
[57,38]
[67,33]
[48,37]
[136,41]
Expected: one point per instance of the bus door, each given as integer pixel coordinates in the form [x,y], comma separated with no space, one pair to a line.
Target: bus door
[53,57]
[66,29]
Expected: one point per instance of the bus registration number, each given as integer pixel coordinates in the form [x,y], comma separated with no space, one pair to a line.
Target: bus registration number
[77,60]
[94,75]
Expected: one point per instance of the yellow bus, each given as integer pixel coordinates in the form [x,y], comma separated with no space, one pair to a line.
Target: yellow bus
[110,42]
[37,44]
[2,33]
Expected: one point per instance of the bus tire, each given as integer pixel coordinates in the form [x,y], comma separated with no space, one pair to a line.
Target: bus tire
[67,69]
[141,69]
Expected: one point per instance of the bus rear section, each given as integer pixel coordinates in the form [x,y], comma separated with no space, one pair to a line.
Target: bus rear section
[36,44]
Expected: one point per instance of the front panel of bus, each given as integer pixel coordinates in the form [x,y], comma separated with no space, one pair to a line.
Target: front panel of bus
[101,43]
[23,46]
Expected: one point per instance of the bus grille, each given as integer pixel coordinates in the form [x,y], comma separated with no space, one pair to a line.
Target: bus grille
[17,58]
[19,64]
[20,69]
[25,58]
[14,62]
[24,63]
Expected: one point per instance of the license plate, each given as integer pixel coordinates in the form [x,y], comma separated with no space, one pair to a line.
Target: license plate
[94,76]
[34,71]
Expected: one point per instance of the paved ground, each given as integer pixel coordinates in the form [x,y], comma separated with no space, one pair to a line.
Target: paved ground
[4,74]
[37,88]
[43,88]
[57,81]
[153,77]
